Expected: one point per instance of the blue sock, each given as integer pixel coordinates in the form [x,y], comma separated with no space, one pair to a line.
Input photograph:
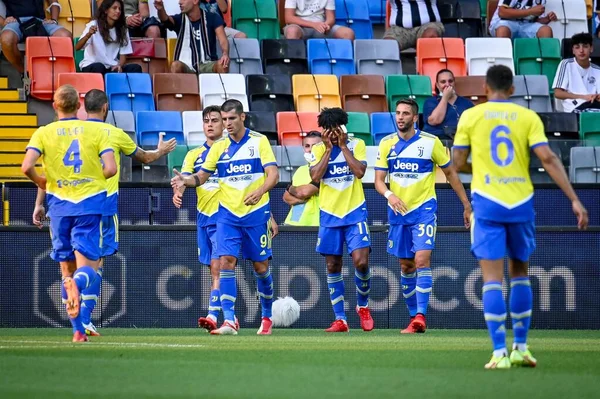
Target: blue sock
[84,277]
[335,282]
[424,283]
[363,287]
[264,283]
[89,298]
[76,322]
[494,311]
[521,302]
[214,305]
[228,289]
[409,285]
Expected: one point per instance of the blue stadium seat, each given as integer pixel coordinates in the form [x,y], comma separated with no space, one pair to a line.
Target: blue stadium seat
[382,124]
[130,92]
[330,56]
[377,11]
[150,124]
[355,15]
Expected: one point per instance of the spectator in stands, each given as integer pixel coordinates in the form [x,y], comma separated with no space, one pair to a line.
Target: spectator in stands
[577,80]
[220,7]
[197,35]
[441,113]
[522,19]
[139,21]
[20,14]
[310,19]
[413,20]
[106,41]
[303,194]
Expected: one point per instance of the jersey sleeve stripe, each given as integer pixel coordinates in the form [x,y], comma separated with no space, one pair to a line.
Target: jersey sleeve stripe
[270,164]
[539,144]
[186,173]
[105,151]
[134,151]
[206,170]
[561,74]
[446,164]
[379,168]
[35,149]
[462,147]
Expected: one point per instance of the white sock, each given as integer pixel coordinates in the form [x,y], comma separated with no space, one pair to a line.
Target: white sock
[500,352]
[213,318]
[520,347]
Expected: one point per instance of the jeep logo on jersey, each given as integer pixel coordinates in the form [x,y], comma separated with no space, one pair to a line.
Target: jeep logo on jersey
[406,166]
[47,301]
[339,170]
[238,168]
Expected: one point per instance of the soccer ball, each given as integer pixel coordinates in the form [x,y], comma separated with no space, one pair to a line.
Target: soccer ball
[286,311]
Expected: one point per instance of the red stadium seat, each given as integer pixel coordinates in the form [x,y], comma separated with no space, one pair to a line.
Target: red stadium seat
[291,126]
[47,58]
[83,82]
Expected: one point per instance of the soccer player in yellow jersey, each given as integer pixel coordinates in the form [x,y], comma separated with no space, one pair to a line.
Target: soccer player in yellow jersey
[208,206]
[410,157]
[338,164]
[247,171]
[75,181]
[499,135]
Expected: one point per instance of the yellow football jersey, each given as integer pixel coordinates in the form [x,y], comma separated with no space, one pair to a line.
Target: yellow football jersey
[241,170]
[411,167]
[306,214]
[500,135]
[71,150]
[208,193]
[341,195]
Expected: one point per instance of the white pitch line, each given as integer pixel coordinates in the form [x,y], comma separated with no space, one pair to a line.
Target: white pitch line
[117,344]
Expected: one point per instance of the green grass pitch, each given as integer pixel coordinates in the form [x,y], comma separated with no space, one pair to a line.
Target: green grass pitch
[182,363]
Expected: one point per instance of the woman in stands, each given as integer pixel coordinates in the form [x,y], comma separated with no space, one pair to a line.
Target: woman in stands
[106,41]
[441,113]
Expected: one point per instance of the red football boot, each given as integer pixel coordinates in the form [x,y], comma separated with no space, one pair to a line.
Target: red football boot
[80,337]
[338,326]
[265,327]
[410,329]
[207,323]
[419,323]
[366,321]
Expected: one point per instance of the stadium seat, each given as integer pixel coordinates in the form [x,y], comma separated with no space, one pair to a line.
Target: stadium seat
[216,88]
[175,158]
[312,93]
[152,59]
[171,44]
[561,125]
[262,122]
[292,126]
[363,93]
[471,87]
[270,92]
[537,57]
[413,86]
[483,4]
[124,120]
[377,11]
[284,56]
[330,56]
[531,91]
[47,58]
[536,168]
[369,176]
[434,54]
[382,124]
[355,15]
[567,50]
[572,17]
[245,56]
[83,82]
[461,18]
[193,128]
[377,57]
[359,126]
[74,15]
[176,92]
[257,19]
[129,92]
[151,123]
[585,165]
[483,52]
[157,171]
[589,128]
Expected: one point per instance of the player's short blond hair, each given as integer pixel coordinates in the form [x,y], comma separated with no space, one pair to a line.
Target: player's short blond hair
[66,99]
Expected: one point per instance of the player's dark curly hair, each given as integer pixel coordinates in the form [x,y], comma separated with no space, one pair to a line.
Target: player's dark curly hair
[332,118]
[120,24]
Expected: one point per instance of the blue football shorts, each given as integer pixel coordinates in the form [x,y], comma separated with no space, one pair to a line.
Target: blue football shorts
[331,239]
[75,233]
[405,240]
[492,240]
[110,235]
[207,243]
[254,241]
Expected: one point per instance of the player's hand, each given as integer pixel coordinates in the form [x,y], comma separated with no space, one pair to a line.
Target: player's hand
[274,227]
[177,199]
[342,138]
[467,216]
[178,181]
[397,205]
[537,10]
[448,93]
[254,197]
[159,5]
[582,215]
[326,137]
[39,215]
[165,147]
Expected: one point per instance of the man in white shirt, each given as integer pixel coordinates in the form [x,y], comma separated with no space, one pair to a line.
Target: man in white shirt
[413,19]
[577,80]
[311,19]
[522,19]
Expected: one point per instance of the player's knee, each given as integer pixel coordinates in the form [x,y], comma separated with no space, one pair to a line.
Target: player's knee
[407,266]
[261,267]
[362,264]
[334,265]
[227,263]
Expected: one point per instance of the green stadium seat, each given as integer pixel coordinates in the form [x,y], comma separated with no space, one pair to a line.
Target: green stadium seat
[257,19]
[589,128]
[175,158]
[360,126]
[412,86]
[537,57]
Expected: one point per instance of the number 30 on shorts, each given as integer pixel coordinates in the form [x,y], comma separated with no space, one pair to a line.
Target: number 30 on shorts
[426,229]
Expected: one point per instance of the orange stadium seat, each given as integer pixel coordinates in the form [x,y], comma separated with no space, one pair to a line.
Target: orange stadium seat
[292,126]
[83,82]
[315,92]
[363,93]
[47,58]
[176,92]
[434,54]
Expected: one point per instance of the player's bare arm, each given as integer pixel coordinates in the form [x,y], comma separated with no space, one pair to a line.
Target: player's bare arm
[110,165]
[460,160]
[273,227]
[39,212]
[397,205]
[556,170]
[303,192]
[178,197]
[459,189]
[357,167]
[197,179]
[28,168]
[563,94]
[291,200]
[270,181]
[163,148]
[318,171]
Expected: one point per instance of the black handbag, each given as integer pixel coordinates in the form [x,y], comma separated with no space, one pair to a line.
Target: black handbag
[31,28]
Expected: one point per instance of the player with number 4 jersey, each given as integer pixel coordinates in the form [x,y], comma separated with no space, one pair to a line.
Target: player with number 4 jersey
[500,135]
[410,157]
